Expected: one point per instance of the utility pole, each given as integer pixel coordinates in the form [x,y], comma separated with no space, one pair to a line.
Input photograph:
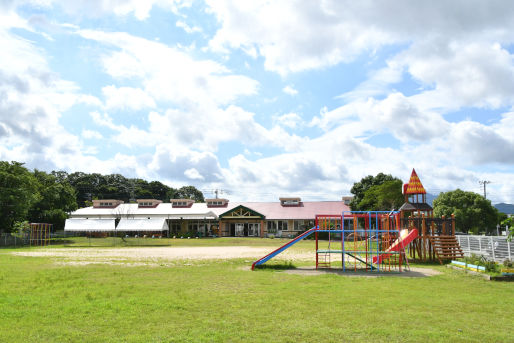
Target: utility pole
[217,192]
[484,183]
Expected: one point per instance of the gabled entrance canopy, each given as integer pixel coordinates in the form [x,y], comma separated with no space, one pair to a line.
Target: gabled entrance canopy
[241,212]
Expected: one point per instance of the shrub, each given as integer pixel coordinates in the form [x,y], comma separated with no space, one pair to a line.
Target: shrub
[491,266]
[21,229]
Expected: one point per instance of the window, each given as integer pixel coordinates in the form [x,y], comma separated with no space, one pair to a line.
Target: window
[303,225]
[290,202]
[175,227]
[215,203]
[272,226]
[181,203]
[192,228]
[275,226]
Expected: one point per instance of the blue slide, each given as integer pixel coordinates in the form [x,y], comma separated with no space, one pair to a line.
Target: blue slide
[282,248]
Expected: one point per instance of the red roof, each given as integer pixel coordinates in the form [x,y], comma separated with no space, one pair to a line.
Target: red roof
[414,186]
[274,210]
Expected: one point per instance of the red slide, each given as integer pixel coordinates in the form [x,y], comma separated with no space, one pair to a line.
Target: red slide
[405,239]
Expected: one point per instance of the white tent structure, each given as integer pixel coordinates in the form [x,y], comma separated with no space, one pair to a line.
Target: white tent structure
[89,225]
[135,225]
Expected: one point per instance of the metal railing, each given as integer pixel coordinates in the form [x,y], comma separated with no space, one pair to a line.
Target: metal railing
[495,248]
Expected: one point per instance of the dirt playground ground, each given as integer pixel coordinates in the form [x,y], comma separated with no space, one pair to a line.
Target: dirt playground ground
[168,256]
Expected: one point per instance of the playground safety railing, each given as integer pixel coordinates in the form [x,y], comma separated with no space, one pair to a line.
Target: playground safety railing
[495,248]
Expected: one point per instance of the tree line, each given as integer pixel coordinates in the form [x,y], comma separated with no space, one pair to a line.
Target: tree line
[473,213]
[40,197]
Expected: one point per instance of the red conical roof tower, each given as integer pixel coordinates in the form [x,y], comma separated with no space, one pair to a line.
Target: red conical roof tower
[413,202]
[414,186]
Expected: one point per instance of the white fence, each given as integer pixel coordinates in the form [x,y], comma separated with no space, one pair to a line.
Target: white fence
[492,247]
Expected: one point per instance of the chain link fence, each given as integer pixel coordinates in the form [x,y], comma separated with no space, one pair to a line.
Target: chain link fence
[9,240]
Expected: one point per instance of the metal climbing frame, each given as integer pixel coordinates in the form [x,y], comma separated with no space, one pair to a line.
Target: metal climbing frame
[365,238]
[40,234]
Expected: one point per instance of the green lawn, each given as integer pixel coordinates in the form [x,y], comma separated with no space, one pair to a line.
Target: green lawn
[222,301]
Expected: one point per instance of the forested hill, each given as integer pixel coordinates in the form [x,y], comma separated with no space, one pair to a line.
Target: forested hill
[505,208]
[116,186]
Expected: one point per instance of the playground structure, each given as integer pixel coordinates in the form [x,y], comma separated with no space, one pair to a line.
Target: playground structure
[379,240]
[437,239]
[365,241]
[39,234]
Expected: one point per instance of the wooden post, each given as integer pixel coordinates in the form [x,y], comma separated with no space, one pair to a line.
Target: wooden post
[430,248]
[453,224]
[423,236]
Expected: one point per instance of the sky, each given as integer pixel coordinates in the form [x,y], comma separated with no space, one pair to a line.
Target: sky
[262,99]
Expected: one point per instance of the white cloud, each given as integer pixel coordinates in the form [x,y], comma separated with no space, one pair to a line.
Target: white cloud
[378,83]
[290,120]
[183,25]
[129,136]
[396,114]
[91,134]
[169,74]
[193,174]
[32,102]
[126,98]
[314,35]
[483,144]
[182,164]
[289,90]
[139,9]
[463,75]
[204,128]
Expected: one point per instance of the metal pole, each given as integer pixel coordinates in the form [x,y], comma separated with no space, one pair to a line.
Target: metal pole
[492,247]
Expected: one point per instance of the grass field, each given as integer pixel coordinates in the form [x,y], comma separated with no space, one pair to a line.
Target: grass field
[222,301]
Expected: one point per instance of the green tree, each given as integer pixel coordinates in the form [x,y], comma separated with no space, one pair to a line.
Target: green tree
[359,188]
[508,225]
[115,186]
[86,186]
[56,198]
[384,197]
[472,211]
[188,192]
[159,190]
[18,191]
